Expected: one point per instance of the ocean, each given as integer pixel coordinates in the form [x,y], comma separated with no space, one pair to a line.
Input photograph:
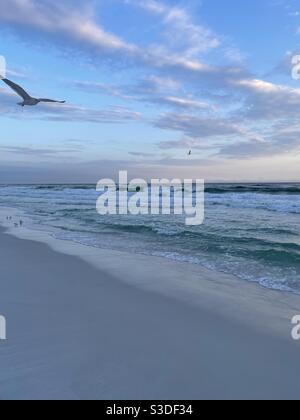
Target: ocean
[251,230]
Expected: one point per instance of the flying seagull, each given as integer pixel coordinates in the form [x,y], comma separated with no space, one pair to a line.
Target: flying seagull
[27,99]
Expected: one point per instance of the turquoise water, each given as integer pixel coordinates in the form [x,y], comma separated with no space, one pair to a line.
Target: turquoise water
[250,230]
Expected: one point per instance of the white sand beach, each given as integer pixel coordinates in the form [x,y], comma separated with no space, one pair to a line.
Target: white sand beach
[85,323]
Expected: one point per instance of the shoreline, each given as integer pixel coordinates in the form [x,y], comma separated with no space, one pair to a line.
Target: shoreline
[226,295]
[79,332]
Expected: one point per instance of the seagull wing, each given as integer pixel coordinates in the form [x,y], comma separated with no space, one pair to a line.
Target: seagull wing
[20,91]
[51,101]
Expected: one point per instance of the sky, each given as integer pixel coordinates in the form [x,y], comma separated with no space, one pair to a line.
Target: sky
[145,81]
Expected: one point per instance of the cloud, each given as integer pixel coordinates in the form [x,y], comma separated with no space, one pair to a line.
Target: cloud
[184,103]
[267,101]
[71,20]
[35,152]
[154,84]
[197,126]
[188,143]
[285,141]
[72,113]
[180,29]
[152,90]
[142,154]
[73,25]
[101,89]
[65,113]
[71,171]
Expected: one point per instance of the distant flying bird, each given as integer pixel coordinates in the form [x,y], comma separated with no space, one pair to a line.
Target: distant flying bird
[190,153]
[27,99]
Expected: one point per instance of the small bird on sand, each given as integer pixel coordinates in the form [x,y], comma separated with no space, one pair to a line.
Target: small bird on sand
[27,99]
